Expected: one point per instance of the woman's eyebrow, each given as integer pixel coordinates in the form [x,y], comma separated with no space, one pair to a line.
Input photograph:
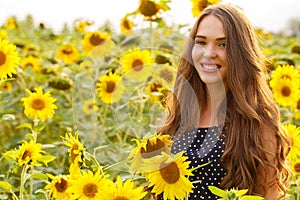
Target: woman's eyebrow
[204,37]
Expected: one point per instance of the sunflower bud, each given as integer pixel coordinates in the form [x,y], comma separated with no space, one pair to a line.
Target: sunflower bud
[61,83]
[296,49]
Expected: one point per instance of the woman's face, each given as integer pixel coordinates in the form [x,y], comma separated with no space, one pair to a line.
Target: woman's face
[209,52]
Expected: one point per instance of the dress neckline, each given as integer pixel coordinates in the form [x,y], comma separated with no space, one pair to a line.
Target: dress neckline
[211,127]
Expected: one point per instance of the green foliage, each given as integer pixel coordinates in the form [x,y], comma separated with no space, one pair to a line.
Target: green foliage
[107,133]
[232,194]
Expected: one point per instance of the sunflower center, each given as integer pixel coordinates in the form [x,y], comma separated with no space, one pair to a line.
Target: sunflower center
[165,74]
[286,76]
[73,156]
[2,58]
[126,24]
[26,154]
[96,39]
[202,4]
[4,87]
[148,8]
[110,86]
[28,65]
[137,65]
[155,86]
[121,198]
[298,104]
[91,106]
[38,104]
[67,50]
[286,91]
[169,172]
[90,190]
[153,150]
[62,186]
[297,167]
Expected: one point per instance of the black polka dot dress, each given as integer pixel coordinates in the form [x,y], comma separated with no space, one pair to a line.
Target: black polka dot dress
[203,147]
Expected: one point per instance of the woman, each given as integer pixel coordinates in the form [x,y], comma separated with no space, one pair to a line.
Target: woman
[222,113]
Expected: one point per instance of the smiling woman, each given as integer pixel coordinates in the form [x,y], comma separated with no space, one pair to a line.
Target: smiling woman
[221,98]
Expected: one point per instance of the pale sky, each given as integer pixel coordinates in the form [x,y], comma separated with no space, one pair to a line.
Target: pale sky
[271,15]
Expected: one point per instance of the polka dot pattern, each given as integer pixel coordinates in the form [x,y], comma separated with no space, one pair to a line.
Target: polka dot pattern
[204,147]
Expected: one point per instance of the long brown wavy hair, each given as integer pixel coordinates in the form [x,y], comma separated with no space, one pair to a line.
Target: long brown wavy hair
[249,105]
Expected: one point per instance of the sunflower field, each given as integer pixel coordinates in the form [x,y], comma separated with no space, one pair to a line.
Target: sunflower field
[79,108]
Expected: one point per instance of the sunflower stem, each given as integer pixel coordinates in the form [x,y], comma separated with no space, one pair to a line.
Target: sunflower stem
[34,132]
[22,181]
[31,184]
[96,162]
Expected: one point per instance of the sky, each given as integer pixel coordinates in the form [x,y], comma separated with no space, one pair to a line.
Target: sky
[271,15]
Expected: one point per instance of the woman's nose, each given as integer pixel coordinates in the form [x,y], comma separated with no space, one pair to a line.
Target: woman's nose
[209,51]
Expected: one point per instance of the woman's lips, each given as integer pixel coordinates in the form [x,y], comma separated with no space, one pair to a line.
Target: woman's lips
[210,67]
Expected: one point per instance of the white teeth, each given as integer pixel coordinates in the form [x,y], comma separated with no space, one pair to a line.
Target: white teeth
[210,67]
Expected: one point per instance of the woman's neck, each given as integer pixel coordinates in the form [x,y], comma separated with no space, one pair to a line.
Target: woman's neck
[210,113]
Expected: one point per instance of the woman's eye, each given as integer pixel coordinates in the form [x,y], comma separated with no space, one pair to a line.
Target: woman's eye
[199,42]
[222,45]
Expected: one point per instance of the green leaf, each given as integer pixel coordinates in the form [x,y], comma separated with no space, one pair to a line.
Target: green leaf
[217,191]
[8,117]
[10,155]
[46,159]
[25,125]
[39,127]
[29,136]
[240,192]
[39,176]
[5,185]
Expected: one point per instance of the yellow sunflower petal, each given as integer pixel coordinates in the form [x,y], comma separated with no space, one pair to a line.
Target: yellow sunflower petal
[110,88]
[9,59]
[39,105]
[137,64]
[168,175]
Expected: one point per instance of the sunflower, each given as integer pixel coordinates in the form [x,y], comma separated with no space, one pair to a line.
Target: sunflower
[137,64]
[199,5]
[151,9]
[30,49]
[76,151]
[285,71]
[157,93]
[31,61]
[11,23]
[29,153]
[294,133]
[58,187]
[89,186]
[87,66]
[82,25]
[153,90]
[97,44]
[9,59]
[5,86]
[285,91]
[296,108]
[3,34]
[126,191]
[147,148]
[295,166]
[165,74]
[110,88]
[126,25]
[39,105]
[167,174]
[89,106]
[67,53]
